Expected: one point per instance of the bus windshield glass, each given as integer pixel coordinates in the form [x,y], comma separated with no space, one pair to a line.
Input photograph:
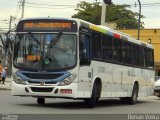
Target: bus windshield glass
[45,51]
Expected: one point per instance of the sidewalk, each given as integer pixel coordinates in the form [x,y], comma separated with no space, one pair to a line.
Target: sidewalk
[6,85]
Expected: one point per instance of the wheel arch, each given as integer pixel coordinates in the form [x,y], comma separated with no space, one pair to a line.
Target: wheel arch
[137,84]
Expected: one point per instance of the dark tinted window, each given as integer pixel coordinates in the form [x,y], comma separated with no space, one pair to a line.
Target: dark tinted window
[135,55]
[96,45]
[141,57]
[145,57]
[106,47]
[150,58]
[117,50]
[84,45]
[126,53]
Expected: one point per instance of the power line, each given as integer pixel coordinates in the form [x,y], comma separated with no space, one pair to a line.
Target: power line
[40,4]
[145,4]
[46,7]
[18,8]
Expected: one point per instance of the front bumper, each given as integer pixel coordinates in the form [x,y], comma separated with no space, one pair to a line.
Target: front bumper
[69,91]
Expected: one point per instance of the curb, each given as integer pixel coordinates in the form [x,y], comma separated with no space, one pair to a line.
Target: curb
[5,89]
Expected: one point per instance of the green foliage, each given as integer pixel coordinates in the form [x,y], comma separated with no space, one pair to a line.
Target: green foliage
[90,12]
[119,14]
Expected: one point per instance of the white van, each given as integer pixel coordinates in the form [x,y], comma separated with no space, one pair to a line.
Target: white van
[157,86]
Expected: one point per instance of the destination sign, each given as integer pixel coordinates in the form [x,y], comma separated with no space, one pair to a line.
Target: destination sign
[50,25]
[30,25]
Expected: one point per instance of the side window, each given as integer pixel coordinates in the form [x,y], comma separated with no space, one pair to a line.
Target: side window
[84,45]
[107,48]
[117,50]
[96,45]
[135,55]
[150,58]
[141,57]
[126,53]
[145,57]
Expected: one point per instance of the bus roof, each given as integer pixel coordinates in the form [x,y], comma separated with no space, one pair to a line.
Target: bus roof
[116,34]
[99,28]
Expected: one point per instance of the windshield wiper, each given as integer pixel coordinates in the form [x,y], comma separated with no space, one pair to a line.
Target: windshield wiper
[54,41]
[32,36]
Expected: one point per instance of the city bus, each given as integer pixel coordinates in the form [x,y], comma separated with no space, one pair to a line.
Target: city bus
[74,59]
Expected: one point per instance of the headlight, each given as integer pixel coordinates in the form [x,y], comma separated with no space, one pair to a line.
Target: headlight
[17,79]
[68,80]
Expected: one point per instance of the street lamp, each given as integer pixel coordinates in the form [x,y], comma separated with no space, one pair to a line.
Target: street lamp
[103,14]
[139,19]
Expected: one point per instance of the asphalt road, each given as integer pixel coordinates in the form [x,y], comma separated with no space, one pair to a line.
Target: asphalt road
[28,105]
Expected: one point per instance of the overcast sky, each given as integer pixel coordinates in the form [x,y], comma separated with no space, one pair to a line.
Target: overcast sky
[10,7]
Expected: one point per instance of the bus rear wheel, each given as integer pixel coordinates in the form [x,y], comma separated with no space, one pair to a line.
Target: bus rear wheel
[133,99]
[41,100]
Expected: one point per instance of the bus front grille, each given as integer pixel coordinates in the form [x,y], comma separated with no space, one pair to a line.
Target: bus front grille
[38,82]
[40,89]
[42,76]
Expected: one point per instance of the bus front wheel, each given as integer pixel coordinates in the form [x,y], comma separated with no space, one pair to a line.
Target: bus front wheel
[91,102]
[41,100]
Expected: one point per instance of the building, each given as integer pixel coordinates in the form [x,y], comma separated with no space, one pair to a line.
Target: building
[1,50]
[151,36]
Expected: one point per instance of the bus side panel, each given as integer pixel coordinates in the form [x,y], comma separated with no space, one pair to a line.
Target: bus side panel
[143,82]
[151,76]
[84,83]
[104,71]
[126,81]
[145,79]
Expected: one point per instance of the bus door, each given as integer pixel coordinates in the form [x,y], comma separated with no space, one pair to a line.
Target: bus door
[85,70]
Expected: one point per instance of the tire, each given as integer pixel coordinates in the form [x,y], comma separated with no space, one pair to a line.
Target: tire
[124,100]
[91,102]
[133,99]
[41,100]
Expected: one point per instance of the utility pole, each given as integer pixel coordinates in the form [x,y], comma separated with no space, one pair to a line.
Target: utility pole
[23,5]
[139,19]
[103,14]
[10,22]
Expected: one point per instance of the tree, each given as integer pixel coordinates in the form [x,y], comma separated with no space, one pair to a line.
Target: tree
[90,12]
[119,14]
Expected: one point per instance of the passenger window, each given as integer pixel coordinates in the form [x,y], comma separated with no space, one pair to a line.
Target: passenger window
[145,57]
[96,45]
[117,50]
[135,55]
[107,48]
[126,53]
[150,58]
[141,57]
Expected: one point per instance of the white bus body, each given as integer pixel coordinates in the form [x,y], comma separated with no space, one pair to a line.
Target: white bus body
[90,78]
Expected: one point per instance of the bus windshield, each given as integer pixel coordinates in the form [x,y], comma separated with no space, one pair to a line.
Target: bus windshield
[45,51]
